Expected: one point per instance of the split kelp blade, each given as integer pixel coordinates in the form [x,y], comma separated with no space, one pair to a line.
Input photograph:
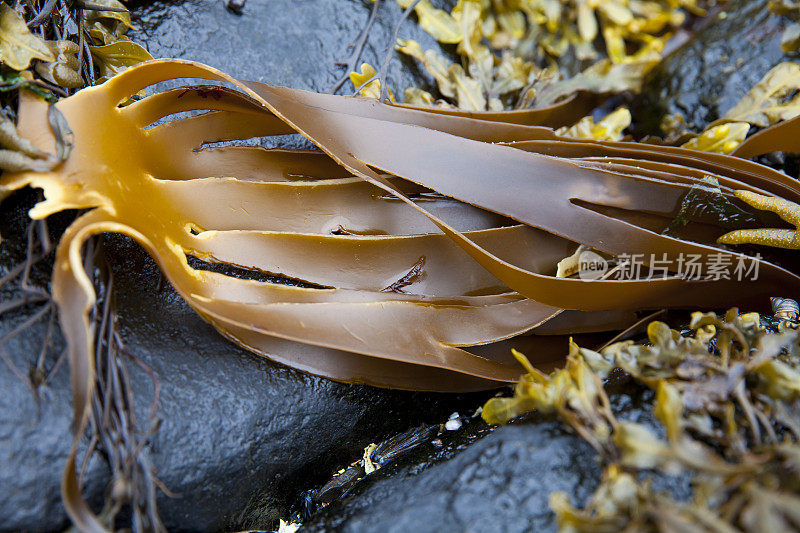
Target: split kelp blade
[424,245]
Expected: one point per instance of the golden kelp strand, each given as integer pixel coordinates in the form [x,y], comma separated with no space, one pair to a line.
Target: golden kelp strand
[781,238]
[546,213]
[388,176]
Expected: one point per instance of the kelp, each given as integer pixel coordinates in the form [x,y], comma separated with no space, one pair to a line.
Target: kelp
[95,31]
[780,238]
[554,26]
[609,128]
[776,97]
[772,100]
[726,397]
[18,46]
[424,244]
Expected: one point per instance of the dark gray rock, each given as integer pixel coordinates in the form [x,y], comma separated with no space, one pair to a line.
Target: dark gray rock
[241,437]
[488,480]
[501,482]
[281,42]
[709,74]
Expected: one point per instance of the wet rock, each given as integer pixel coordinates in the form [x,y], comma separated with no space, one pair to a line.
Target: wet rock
[281,42]
[707,76]
[486,480]
[240,437]
[499,483]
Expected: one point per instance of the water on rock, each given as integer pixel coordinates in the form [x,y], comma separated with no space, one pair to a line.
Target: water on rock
[708,75]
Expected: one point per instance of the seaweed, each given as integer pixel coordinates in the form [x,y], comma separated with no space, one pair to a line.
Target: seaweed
[512,200]
[54,47]
[727,396]
[512,50]
[424,239]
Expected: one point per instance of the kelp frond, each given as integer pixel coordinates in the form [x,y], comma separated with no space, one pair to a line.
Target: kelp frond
[53,49]
[427,241]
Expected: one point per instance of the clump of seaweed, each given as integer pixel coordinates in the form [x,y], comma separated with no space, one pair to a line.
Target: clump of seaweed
[514,52]
[728,397]
[513,55]
[53,48]
[791,35]
[775,98]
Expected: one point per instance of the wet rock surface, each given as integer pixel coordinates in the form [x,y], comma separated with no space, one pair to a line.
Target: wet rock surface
[501,482]
[708,75]
[487,480]
[240,437]
[281,42]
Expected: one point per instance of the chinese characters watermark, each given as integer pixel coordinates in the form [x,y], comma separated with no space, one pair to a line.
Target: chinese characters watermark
[689,267]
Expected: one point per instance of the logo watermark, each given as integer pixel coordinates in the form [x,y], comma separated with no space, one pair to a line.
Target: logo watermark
[591,265]
[689,267]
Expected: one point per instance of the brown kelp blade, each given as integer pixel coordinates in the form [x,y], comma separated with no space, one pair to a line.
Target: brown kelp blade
[205,292]
[485,175]
[370,134]
[419,246]
[564,113]
[782,137]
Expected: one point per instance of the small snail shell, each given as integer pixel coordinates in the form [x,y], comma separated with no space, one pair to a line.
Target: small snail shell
[785,309]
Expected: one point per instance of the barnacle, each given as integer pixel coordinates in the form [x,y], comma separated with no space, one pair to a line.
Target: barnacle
[427,239]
